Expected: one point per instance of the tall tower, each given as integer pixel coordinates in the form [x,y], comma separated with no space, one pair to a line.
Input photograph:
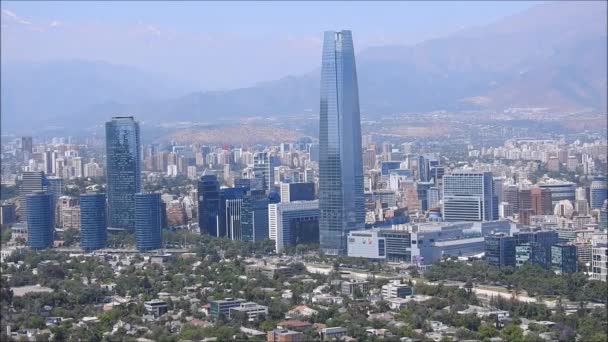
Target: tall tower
[123,163]
[40,220]
[209,204]
[341,199]
[148,221]
[93,233]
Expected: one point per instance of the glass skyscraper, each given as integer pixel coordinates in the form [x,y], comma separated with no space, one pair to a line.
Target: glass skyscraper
[469,196]
[254,216]
[209,204]
[147,221]
[40,220]
[93,223]
[123,164]
[341,198]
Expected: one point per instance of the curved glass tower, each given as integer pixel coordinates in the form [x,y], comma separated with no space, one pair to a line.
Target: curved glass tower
[123,164]
[93,233]
[341,199]
[147,221]
[40,220]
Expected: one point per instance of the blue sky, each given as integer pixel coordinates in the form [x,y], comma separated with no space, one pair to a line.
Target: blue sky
[209,41]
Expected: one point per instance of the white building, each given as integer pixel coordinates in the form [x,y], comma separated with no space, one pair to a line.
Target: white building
[287,222]
[599,257]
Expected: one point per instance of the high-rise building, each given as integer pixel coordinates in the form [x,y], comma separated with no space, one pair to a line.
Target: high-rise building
[231,202]
[603,217]
[78,165]
[469,196]
[148,218]
[40,220]
[93,223]
[26,146]
[511,195]
[599,257]
[7,213]
[500,250]
[254,216]
[563,258]
[291,192]
[55,186]
[123,173]
[598,192]
[293,223]
[341,198]
[48,162]
[560,190]
[263,168]
[209,204]
[541,201]
[31,182]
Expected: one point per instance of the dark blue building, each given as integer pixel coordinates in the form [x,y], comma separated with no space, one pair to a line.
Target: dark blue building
[254,216]
[40,220]
[93,223]
[563,258]
[422,188]
[500,250]
[209,204]
[231,201]
[291,192]
[387,166]
[123,164]
[147,221]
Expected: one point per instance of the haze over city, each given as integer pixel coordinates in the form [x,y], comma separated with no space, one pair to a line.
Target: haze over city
[304,171]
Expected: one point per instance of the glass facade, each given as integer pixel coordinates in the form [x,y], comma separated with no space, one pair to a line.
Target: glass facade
[469,196]
[341,198]
[148,221]
[598,192]
[209,205]
[93,223]
[40,220]
[123,162]
[254,216]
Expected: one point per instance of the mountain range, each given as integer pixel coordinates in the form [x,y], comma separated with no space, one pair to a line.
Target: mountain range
[551,56]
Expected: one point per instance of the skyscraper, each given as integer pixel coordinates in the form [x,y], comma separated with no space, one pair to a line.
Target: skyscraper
[254,217]
[598,192]
[55,186]
[93,223]
[469,196]
[263,168]
[209,204]
[40,220]
[123,171]
[341,199]
[147,221]
[31,182]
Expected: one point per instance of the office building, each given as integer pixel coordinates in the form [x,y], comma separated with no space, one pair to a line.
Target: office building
[559,190]
[78,165]
[598,192]
[93,222]
[511,196]
[284,335]
[123,171]
[422,189]
[40,220]
[541,201]
[341,198]
[354,288]
[222,307]
[263,169]
[251,310]
[469,196]
[599,257]
[254,216]
[231,201]
[55,186]
[209,204]
[293,223]
[500,250]
[537,247]
[31,182]
[156,307]
[563,258]
[291,192]
[387,166]
[395,289]
[26,146]
[148,218]
[603,217]
[8,213]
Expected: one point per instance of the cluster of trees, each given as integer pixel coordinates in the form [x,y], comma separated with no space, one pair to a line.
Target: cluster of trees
[535,280]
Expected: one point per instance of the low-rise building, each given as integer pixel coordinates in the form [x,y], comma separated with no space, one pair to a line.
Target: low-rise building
[252,310]
[222,307]
[354,288]
[395,289]
[156,307]
[284,335]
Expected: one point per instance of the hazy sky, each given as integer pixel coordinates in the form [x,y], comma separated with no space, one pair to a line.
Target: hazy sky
[214,45]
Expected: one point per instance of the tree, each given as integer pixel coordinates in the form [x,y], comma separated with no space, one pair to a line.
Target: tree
[512,333]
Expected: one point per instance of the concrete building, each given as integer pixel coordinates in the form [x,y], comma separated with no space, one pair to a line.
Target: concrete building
[469,196]
[395,289]
[252,310]
[354,288]
[599,257]
[293,223]
[284,335]
[156,307]
[222,307]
